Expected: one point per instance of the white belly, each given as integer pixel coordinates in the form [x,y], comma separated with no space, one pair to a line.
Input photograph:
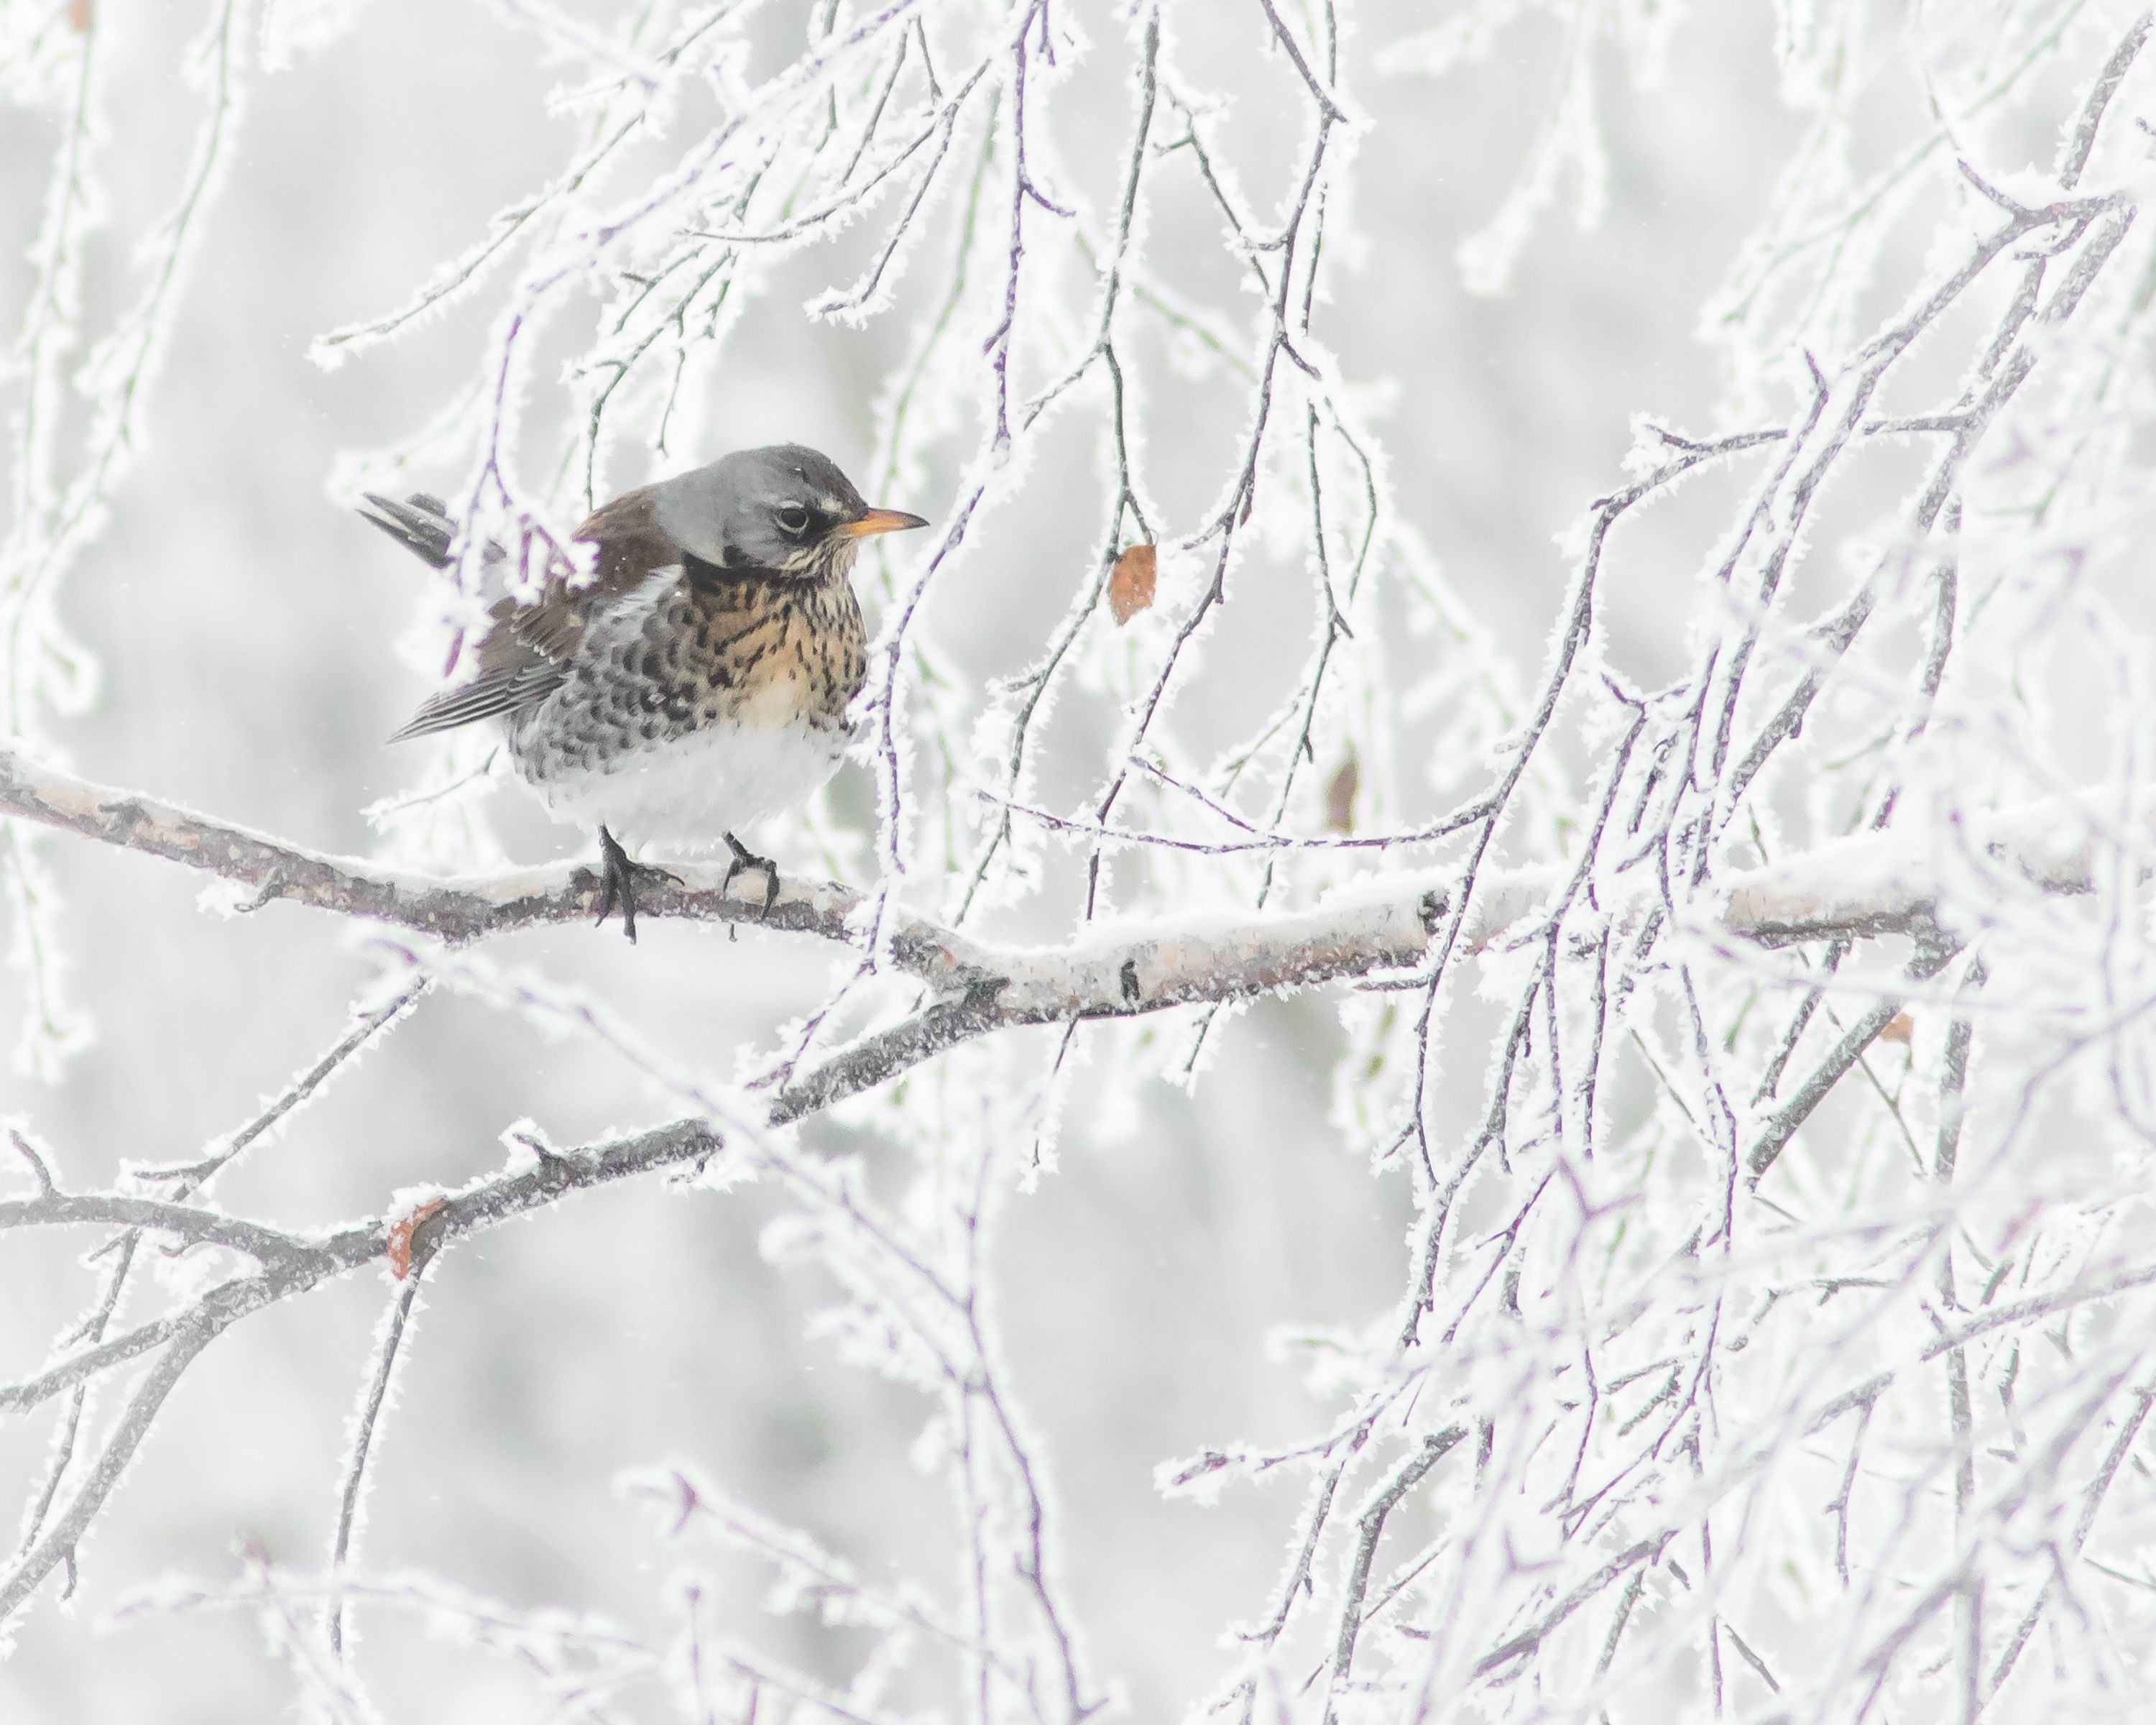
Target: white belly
[689,793]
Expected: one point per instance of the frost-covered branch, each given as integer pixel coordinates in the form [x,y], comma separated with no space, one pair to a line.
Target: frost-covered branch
[287,1266]
[1874,884]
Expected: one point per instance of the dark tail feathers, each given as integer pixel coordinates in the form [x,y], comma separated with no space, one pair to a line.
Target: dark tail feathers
[420,524]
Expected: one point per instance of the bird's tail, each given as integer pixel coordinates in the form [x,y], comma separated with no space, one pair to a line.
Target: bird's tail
[424,526]
[420,524]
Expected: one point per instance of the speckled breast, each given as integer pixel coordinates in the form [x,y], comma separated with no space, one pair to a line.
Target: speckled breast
[677,659]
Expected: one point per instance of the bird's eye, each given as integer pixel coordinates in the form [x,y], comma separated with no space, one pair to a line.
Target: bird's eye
[793,518]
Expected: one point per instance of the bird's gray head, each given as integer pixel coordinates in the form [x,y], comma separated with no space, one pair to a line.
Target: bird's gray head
[786,508]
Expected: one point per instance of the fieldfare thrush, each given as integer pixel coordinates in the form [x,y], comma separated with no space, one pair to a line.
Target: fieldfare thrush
[700,680]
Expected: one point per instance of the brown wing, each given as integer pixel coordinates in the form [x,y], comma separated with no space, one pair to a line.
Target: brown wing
[631,542]
[524,655]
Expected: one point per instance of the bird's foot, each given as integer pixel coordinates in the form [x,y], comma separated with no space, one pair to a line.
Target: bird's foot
[747,861]
[617,878]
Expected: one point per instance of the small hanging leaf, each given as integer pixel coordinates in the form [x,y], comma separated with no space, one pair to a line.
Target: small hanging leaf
[399,1251]
[1130,588]
[81,15]
[1340,795]
[1899,1029]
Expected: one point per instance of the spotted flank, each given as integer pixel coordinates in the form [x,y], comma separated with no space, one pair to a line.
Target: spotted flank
[698,703]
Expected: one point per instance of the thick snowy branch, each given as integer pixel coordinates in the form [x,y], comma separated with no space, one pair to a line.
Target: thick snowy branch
[1141,971]
[449,909]
[1872,884]
[1898,881]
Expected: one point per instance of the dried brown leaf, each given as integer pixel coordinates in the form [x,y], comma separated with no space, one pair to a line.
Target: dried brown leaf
[81,15]
[1130,588]
[1899,1029]
[399,1250]
[1340,795]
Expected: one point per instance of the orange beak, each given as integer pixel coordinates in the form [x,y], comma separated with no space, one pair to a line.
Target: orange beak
[881,521]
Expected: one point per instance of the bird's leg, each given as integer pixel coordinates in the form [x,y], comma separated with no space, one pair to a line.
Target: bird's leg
[618,882]
[746,859]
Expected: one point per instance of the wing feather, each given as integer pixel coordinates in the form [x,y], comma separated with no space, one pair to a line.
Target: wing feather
[526,653]
[487,696]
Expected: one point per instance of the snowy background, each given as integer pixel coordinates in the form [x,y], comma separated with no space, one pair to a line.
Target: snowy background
[1524,251]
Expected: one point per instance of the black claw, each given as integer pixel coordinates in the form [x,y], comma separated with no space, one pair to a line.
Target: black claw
[745,861]
[618,882]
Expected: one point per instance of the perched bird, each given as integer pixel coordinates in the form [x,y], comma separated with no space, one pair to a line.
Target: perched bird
[700,680]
